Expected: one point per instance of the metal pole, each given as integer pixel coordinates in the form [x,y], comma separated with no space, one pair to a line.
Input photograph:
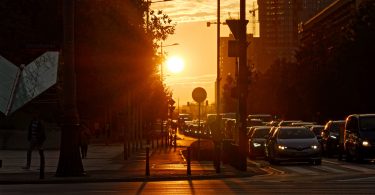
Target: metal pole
[188,161]
[242,82]
[147,161]
[218,85]
[199,130]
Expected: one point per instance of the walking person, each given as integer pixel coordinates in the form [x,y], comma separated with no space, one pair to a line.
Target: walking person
[84,139]
[36,136]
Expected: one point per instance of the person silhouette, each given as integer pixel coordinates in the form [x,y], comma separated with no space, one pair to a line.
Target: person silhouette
[36,136]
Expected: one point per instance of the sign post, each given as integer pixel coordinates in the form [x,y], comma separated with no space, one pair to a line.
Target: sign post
[199,95]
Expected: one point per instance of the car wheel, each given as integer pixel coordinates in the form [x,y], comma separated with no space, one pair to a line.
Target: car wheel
[348,156]
[358,156]
[317,162]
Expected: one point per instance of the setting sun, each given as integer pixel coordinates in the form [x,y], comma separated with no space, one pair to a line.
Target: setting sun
[175,64]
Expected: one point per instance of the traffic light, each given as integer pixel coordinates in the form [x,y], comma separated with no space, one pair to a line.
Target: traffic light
[171,106]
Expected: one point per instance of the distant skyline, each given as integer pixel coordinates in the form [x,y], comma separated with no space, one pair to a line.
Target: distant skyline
[197,43]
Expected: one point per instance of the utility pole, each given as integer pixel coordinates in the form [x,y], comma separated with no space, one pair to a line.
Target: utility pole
[218,119]
[242,85]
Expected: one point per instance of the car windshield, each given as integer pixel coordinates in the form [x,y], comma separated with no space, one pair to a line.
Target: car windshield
[336,126]
[367,123]
[260,133]
[295,134]
[317,130]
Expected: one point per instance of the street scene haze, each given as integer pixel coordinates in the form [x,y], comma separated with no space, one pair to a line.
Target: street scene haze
[187,97]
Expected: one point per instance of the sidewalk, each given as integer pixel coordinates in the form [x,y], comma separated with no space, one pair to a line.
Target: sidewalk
[106,164]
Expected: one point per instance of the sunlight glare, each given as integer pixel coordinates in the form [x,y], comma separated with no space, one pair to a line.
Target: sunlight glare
[175,64]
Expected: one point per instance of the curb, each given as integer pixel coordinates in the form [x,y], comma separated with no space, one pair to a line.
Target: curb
[87,179]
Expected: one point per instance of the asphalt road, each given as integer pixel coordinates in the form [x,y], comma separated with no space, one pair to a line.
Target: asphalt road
[225,186]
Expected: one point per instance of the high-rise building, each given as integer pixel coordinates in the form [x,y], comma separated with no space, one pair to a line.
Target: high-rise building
[278,27]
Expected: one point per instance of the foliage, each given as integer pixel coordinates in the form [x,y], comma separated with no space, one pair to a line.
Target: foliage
[229,95]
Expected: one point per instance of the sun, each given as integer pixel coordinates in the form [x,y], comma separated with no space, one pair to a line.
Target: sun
[175,64]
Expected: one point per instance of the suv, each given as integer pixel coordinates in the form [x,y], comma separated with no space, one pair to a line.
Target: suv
[330,136]
[359,137]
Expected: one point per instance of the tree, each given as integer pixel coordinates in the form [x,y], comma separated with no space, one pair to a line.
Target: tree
[229,94]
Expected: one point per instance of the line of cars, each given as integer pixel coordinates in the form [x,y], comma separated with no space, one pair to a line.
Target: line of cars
[353,138]
[284,143]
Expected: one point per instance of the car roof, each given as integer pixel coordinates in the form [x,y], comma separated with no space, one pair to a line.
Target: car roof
[362,115]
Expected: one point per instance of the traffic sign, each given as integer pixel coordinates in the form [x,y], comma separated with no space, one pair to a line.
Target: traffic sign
[199,94]
[234,26]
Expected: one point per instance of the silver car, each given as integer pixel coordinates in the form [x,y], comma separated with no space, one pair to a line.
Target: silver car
[294,144]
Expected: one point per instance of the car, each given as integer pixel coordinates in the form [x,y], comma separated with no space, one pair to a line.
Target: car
[288,122]
[250,130]
[262,117]
[296,144]
[255,122]
[359,137]
[317,130]
[305,124]
[257,141]
[330,137]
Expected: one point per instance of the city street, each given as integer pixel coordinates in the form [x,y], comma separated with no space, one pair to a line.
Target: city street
[254,185]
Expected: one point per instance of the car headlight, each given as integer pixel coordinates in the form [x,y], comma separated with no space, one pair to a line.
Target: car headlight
[257,144]
[281,147]
[315,147]
[333,137]
[366,143]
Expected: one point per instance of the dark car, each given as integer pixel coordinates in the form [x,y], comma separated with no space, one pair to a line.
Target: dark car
[257,140]
[359,137]
[317,130]
[330,137]
[294,144]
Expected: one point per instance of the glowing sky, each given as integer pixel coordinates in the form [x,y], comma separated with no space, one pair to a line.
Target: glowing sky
[197,43]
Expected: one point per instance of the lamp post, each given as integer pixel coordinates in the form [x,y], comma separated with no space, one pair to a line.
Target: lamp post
[162,81]
[218,78]
[162,55]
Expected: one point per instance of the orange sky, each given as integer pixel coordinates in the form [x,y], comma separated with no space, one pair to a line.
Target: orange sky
[197,43]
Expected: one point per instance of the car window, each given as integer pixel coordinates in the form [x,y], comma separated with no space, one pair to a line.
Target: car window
[367,123]
[352,124]
[260,133]
[295,134]
[317,130]
[336,126]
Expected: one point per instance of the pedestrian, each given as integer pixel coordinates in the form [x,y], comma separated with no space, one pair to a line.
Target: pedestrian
[84,139]
[36,136]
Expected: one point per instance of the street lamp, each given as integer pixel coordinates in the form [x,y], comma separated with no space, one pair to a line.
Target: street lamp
[162,82]
[217,159]
[162,55]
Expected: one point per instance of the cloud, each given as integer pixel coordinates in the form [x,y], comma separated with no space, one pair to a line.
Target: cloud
[191,80]
[199,10]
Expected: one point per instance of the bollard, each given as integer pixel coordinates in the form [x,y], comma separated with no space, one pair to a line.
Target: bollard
[41,168]
[147,161]
[188,162]
[175,141]
[218,158]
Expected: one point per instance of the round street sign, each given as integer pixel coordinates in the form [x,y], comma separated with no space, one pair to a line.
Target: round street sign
[199,94]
